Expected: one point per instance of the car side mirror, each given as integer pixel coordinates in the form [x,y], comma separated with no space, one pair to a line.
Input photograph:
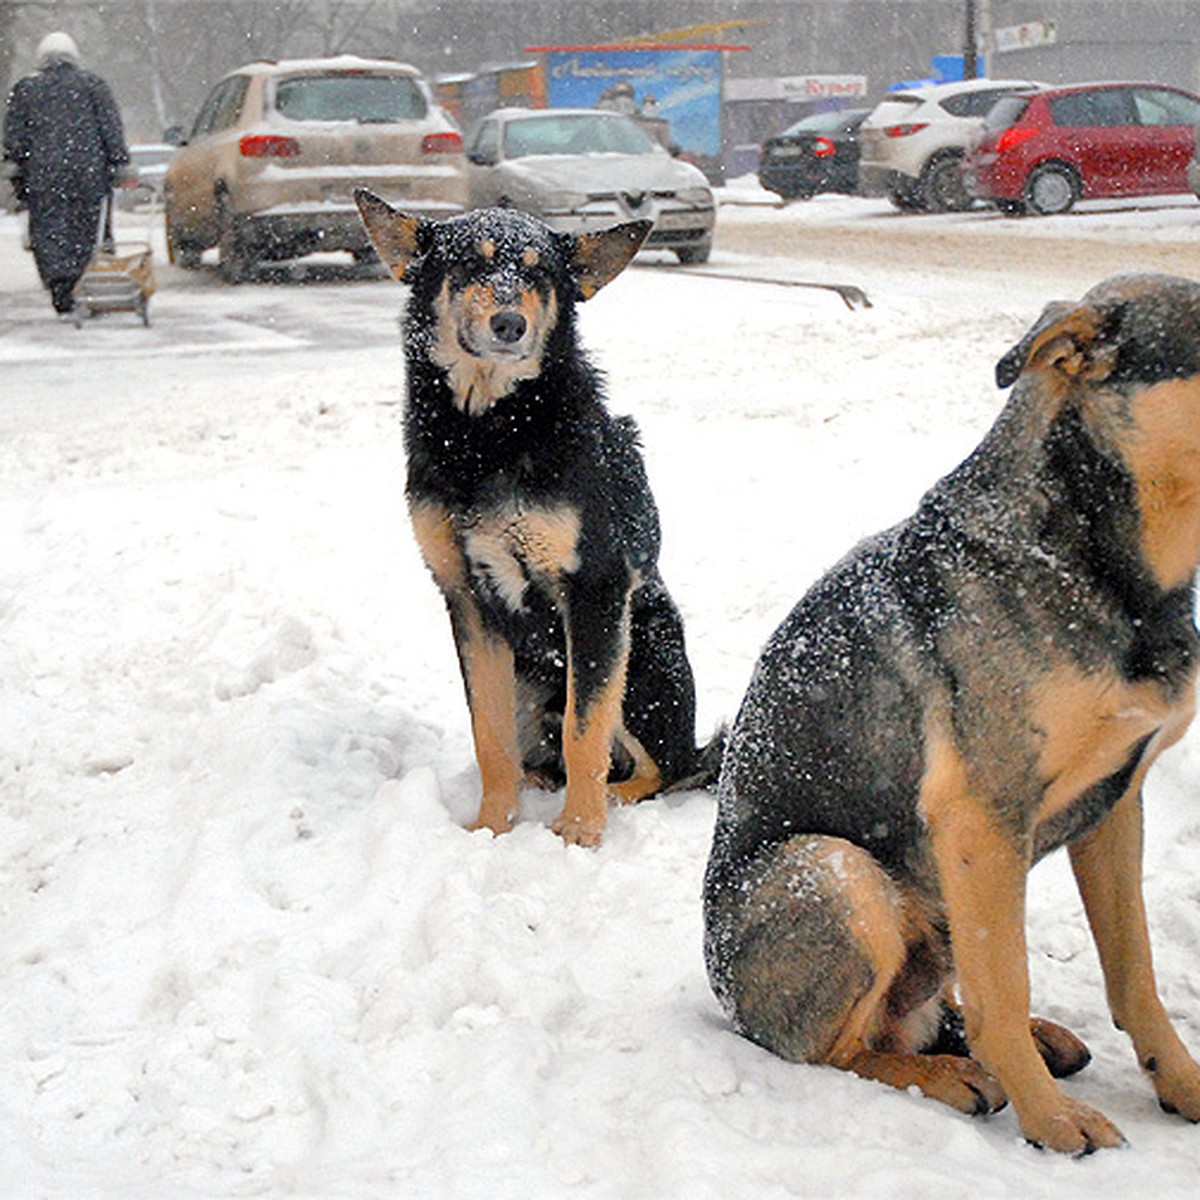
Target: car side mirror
[173,135]
[481,158]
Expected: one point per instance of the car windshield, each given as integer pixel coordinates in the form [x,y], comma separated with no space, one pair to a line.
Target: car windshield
[349,96]
[577,134]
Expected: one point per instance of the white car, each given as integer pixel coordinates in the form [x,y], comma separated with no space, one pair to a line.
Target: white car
[913,143]
[580,169]
[143,180]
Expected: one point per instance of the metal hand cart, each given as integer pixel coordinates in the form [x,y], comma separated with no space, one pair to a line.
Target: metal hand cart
[117,279]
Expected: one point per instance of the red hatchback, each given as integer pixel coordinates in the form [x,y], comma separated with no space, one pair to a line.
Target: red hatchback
[1041,151]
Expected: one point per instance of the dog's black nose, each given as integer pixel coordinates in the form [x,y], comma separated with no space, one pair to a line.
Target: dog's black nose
[508,326]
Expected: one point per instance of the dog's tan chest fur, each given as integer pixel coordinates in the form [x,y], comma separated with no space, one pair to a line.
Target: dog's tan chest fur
[510,545]
[1089,725]
[505,547]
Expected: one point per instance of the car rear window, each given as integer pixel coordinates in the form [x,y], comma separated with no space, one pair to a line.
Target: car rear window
[575,135]
[826,122]
[973,104]
[350,96]
[895,108]
[1005,112]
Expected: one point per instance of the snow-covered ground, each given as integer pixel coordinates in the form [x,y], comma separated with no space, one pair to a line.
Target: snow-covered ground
[246,947]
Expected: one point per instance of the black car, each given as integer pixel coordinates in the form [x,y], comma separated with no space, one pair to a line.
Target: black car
[817,154]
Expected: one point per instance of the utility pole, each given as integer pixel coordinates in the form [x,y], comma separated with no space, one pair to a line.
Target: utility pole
[970,60]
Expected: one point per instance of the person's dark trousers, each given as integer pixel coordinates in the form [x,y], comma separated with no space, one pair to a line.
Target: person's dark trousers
[61,295]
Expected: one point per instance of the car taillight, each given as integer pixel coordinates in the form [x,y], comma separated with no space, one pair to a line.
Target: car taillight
[898,131]
[441,143]
[1012,137]
[263,145]
[823,147]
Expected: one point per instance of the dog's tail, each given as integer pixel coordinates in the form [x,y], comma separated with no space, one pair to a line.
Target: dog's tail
[705,765]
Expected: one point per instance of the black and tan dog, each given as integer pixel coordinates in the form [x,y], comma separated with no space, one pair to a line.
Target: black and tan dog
[987,681]
[532,509]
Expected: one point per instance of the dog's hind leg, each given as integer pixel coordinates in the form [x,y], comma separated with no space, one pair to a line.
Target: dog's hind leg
[644,779]
[822,958]
[659,709]
[1062,1051]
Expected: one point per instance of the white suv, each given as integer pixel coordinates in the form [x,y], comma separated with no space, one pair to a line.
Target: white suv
[913,142]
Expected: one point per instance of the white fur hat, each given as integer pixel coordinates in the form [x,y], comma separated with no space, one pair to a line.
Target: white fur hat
[56,46]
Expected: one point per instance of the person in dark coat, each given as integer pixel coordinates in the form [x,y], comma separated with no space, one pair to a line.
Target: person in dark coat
[62,132]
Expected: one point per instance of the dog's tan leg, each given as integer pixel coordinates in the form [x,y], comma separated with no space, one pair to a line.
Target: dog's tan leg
[982,868]
[587,753]
[487,669]
[487,664]
[646,778]
[1108,868]
[960,1082]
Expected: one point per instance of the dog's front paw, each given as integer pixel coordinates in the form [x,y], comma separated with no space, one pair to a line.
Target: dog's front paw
[496,818]
[1178,1090]
[578,831]
[1072,1128]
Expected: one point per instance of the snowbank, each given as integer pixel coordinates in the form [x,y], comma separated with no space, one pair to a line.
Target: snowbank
[246,948]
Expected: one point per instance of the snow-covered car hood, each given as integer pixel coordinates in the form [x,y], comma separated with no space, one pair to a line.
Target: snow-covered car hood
[606,172]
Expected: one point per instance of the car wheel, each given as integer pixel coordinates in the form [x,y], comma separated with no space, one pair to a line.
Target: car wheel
[693,256]
[942,187]
[905,197]
[234,262]
[180,251]
[1051,188]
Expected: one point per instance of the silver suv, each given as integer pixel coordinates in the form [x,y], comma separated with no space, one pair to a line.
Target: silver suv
[913,142]
[270,166]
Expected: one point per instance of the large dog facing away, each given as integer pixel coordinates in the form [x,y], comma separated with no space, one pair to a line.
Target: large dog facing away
[532,509]
[987,681]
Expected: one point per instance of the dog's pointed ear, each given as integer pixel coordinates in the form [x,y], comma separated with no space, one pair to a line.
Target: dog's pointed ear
[1066,338]
[397,238]
[598,258]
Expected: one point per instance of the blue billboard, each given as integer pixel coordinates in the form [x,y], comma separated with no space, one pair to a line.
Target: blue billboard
[680,86]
